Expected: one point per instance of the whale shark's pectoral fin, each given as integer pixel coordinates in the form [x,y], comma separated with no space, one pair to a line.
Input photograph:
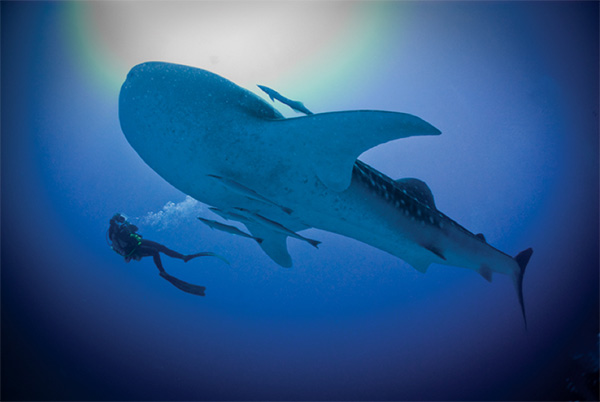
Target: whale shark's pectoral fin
[334,141]
[274,244]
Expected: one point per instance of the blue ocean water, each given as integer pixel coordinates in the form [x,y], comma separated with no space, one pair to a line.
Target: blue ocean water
[514,89]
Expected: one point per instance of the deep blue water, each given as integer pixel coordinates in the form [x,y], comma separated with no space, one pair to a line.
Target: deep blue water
[514,89]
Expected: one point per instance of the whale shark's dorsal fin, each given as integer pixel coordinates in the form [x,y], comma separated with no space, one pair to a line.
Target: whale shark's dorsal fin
[333,141]
[417,189]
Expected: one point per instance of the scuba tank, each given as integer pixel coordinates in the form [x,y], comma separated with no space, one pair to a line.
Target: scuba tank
[121,237]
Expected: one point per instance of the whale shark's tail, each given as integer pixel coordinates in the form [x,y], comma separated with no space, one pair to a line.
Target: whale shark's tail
[522,259]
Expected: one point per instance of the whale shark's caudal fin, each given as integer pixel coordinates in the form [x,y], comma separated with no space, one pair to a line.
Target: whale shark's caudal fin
[522,259]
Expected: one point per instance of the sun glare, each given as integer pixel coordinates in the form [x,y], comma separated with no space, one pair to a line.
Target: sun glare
[244,41]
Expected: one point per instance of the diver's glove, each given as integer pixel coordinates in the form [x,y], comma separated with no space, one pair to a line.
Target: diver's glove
[186,287]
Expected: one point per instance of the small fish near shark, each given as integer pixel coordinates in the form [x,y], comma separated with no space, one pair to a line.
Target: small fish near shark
[228,148]
[275,227]
[228,229]
[295,105]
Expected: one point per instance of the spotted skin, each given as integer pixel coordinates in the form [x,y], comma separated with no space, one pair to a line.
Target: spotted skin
[411,200]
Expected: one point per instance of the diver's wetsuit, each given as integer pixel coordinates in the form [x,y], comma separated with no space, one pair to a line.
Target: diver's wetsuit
[129,244]
[151,248]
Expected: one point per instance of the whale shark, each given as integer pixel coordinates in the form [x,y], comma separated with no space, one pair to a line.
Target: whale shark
[228,148]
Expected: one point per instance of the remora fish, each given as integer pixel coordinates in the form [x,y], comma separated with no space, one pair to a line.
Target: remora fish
[187,123]
[274,226]
[227,228]
[247,192]
[296,105]
[229,215]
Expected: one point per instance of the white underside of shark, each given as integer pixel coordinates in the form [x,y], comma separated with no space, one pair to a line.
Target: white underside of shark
[227,148]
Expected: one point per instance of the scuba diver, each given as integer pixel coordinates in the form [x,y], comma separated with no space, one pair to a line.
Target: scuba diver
[126,242]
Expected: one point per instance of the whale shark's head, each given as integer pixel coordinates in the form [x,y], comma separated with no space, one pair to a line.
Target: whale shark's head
[167,110]
[164,95]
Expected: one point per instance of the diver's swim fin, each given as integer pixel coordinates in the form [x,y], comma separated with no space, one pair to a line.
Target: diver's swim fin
[206,254]
[186,287]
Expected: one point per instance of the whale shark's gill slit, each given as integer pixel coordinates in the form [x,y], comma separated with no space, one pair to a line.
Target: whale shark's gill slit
[414,203]
[413,199]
